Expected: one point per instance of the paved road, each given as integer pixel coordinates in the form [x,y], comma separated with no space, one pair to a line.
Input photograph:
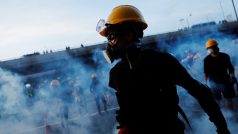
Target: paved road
[92,123]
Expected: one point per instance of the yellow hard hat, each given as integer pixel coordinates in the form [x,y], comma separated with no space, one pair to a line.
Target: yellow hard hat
[124,13]
[54,83]
[210,43]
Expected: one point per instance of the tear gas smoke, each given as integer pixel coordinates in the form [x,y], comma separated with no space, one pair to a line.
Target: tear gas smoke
[39,111]
[191,52]
[37,108]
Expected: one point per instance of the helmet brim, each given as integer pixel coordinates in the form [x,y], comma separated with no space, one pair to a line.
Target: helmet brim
[103,32]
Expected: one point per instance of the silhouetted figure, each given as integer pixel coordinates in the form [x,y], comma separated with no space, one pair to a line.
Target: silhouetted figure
[145,79]
[98,92]
[63,98]
[80,97]
[29,94]
[219,72]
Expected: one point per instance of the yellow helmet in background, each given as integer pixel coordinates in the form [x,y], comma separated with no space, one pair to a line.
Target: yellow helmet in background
[124,13]
[54,83]
[210,43]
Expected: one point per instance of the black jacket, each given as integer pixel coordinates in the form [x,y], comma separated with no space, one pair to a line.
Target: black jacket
[147,93]
[218,68]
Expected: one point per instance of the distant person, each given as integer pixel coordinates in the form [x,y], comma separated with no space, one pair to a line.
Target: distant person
[219,73]
[62,94]
[188,60]
[51,98]
[80,97]
[98,92]
[30,94]
[145,79]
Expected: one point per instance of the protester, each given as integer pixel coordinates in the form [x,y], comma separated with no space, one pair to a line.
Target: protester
[219,73]
[98,92]
[145,80]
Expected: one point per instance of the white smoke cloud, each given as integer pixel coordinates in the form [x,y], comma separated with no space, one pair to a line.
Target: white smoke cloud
[32,115]
[196,45]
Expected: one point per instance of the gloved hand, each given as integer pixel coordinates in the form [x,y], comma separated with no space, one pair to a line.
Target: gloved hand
[123,130]
[223,131]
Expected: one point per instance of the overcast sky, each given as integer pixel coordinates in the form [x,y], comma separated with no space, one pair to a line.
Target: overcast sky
[28,26]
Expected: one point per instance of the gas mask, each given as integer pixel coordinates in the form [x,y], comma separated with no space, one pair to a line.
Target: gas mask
[210,51]
[115,34]
[111,53]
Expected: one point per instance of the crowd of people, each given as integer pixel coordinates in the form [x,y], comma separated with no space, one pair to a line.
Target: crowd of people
[65,95]
[142,79]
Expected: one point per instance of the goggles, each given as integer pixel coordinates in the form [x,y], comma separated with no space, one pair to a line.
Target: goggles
[101,25]
[113,30]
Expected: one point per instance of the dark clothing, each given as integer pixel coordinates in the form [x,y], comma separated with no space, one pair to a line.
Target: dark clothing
[79,93]
[99,94]
[218,70]
[97,89]
[222,89]
[147,93]
[64,98]
[94,85]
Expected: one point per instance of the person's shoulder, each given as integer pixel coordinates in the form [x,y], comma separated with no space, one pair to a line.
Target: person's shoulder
[224,54]
[159,56]
[206,57]
[156,52]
